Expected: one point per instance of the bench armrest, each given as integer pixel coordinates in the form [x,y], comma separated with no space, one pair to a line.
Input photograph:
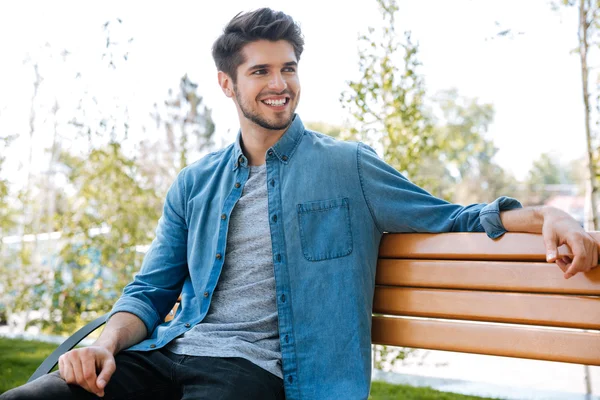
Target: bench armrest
[51,361]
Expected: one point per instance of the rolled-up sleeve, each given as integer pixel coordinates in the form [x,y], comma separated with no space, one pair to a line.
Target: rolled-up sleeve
[156,287]
[398,205]
[490,215]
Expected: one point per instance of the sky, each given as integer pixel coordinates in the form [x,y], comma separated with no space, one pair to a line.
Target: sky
[531,76]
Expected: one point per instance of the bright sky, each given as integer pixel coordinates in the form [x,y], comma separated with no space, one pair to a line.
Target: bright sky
[532,79]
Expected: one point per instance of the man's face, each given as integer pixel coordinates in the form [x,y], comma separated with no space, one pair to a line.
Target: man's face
[268,89]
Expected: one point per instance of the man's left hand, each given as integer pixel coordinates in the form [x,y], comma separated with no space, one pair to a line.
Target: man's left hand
[560,228]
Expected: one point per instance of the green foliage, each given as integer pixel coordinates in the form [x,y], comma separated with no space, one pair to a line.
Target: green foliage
[7,218]
[109,215]
[386,104]
[323,127]
[466,152]
[545,172]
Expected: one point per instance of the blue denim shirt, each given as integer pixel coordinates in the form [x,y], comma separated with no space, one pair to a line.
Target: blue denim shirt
[329,204]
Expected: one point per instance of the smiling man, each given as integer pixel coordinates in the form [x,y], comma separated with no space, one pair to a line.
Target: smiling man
[272,243]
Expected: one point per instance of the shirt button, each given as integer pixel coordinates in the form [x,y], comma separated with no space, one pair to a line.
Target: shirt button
[237,185]
[187,325]
[272,182]
[287,339]
[290,379]
[240,159]
[270,152]
[284,158]
[224,216]
[205,294]
[152,346]
[218,256]
[283,298]
[274,218]
[278,257]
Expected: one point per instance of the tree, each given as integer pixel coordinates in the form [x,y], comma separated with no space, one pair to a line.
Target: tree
[588,26]
[188,129]
[587,34]
[465,152]
[332,130]
[108,218]
[386,105]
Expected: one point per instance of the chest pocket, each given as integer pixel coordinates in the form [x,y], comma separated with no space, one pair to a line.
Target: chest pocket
[325,229]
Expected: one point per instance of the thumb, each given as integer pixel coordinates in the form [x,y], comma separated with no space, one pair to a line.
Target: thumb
[108,368]
[551,248]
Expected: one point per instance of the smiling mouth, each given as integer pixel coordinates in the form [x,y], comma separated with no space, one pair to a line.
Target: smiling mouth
[276,103]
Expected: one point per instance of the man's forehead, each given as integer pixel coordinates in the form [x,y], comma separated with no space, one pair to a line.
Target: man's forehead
[268,52]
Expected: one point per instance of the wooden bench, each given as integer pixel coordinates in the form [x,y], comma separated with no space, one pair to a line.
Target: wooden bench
[464,292]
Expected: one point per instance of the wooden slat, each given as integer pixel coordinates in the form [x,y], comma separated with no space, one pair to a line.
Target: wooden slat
[467,246]
[501,340]
[486,275]
[581,312]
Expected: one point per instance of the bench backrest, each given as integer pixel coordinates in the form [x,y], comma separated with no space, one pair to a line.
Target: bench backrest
[464,292]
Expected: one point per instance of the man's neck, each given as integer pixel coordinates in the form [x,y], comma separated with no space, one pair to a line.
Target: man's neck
[257,140]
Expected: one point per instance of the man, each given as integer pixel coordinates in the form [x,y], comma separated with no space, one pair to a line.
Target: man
[272,243]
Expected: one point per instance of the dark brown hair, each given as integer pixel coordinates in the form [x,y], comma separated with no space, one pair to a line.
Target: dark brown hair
[244,28]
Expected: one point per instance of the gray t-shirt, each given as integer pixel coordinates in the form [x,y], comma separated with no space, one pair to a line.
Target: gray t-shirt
[242,319]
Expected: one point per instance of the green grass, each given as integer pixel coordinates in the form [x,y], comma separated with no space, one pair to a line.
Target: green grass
[387,391]
[20,358]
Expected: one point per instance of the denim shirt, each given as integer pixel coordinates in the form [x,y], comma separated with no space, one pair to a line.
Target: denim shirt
[329,204]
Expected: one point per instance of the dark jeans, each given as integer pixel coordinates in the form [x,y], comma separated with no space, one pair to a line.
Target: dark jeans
[161,374]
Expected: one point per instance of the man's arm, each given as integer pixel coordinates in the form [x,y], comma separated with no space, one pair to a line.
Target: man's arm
[92,367]
[122,331]
[557,228]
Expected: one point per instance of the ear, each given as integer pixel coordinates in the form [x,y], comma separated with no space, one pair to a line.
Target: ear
[226,84]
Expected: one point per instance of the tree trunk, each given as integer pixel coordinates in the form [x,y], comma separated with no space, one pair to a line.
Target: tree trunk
[591,222]
[584,26]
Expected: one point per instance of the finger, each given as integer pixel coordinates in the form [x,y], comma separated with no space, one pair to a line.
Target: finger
[65,369]
[70,378]
[551,248]
[562,264]
[88,367]
[580,259]
[578,265]
[78,373]
[108,369]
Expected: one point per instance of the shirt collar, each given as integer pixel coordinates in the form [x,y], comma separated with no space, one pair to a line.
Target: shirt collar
[284,149]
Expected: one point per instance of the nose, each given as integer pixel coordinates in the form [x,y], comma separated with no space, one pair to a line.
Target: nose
[278,83]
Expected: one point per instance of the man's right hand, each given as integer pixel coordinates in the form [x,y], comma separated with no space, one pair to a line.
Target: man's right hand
[90,367]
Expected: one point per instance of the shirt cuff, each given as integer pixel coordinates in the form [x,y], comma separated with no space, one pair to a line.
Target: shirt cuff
[138,308]
[489,216]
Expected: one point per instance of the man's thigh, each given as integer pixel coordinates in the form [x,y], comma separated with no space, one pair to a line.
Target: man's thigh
[226,379]
[139,375]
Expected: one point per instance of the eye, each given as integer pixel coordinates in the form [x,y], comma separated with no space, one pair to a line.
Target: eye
[289,69]
[260,72]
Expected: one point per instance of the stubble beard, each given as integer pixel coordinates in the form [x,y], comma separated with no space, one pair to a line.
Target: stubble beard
[259,119]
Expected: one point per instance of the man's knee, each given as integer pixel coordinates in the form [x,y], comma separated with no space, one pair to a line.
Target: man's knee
[50,386]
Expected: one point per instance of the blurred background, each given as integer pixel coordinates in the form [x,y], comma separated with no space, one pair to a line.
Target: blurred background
[101,104]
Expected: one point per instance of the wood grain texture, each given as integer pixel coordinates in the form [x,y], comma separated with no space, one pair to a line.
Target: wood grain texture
[467,246]
[511,341]
[534,277]
[581,312]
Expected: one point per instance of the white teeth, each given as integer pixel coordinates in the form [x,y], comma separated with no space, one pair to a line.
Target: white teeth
[274,102]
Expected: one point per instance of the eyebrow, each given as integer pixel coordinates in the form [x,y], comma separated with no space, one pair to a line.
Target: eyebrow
[264,66]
